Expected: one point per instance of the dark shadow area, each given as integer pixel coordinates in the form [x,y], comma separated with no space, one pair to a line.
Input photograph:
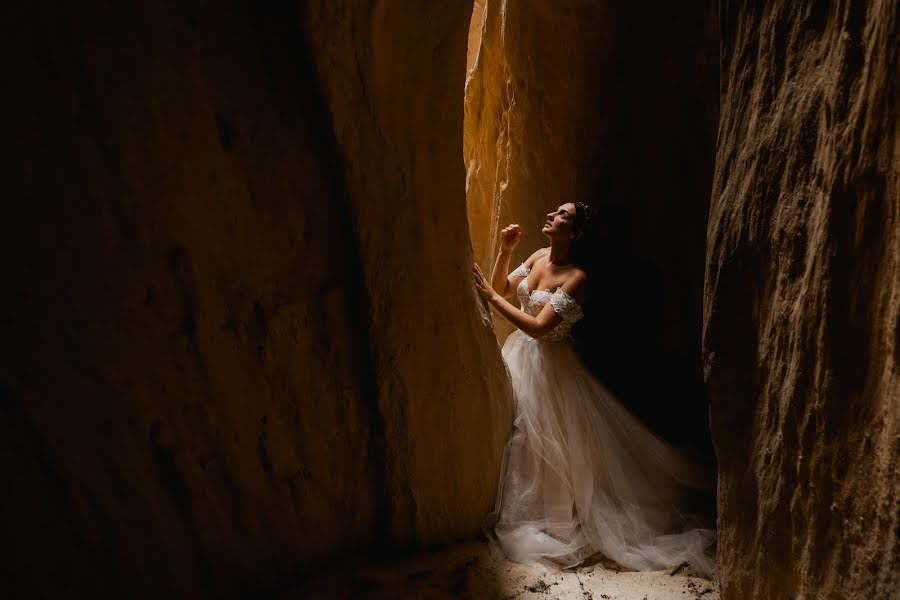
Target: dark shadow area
[642,332]
[641,336]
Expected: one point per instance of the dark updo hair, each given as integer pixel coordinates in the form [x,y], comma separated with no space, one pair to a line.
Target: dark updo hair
[583,216]
[581,227]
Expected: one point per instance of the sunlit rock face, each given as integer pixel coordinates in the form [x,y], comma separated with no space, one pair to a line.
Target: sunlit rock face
[239,335]
[802,301]
[614,104]
[442,387]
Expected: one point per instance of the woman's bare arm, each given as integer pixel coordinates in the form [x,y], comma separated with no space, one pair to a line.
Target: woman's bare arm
[510,282]
[546,320]
[509,239]
[499,276]
[537,326]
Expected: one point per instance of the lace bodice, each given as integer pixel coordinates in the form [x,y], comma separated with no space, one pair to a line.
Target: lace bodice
[533,301]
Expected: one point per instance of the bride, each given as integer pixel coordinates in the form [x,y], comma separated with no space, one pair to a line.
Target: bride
[580,475]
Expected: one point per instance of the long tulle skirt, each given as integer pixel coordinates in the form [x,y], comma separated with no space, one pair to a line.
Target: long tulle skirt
[582,476]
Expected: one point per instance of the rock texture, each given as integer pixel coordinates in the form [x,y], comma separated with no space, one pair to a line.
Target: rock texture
[442,386]
[614,103]
[238,332]
[239,335]
[802,300]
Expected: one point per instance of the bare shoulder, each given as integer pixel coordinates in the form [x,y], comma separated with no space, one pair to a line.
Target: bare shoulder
[579,276]
[576,285]
[539,253]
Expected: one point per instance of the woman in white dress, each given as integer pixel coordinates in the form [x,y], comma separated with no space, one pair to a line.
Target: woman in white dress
[580,474]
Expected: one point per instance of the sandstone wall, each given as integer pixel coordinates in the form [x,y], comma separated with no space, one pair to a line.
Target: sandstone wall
[442,385]
[802,300]
[614,103]
[239,336]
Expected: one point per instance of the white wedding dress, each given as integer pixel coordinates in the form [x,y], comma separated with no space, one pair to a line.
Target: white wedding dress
[580,475]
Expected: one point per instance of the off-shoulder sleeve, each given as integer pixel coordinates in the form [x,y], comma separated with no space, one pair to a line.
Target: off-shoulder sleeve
[565,306]
[521,271]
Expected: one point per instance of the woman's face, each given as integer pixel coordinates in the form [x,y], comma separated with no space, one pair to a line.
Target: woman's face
[560,223]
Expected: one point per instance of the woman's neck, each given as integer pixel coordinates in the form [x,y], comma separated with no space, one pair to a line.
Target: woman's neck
[560,252]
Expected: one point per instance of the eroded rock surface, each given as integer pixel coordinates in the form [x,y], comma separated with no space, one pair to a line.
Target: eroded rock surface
[239,335]
[442,386]
[802,301]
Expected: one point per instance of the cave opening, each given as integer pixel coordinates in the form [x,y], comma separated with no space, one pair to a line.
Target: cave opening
[626,123]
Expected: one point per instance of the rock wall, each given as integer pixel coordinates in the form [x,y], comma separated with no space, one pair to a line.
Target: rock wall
[802,300]
[239,335]
[442,385]
[614,103]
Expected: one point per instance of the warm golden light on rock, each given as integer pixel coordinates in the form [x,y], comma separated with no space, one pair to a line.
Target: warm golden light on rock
[239,338]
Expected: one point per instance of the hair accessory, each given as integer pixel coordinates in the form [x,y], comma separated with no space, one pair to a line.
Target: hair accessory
[585,211]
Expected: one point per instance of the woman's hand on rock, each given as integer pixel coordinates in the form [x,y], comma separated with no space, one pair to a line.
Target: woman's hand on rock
[509,238]
[483,285]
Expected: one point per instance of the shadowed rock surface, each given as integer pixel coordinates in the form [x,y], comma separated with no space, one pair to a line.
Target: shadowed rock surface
[802,301]
[239,335]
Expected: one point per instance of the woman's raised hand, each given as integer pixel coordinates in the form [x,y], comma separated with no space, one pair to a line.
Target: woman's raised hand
[509,238]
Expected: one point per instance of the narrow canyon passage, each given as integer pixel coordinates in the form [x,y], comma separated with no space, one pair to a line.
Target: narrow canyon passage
[622,116]
[239,341]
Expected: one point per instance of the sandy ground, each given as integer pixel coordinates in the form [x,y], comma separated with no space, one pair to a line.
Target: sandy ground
[469,571]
